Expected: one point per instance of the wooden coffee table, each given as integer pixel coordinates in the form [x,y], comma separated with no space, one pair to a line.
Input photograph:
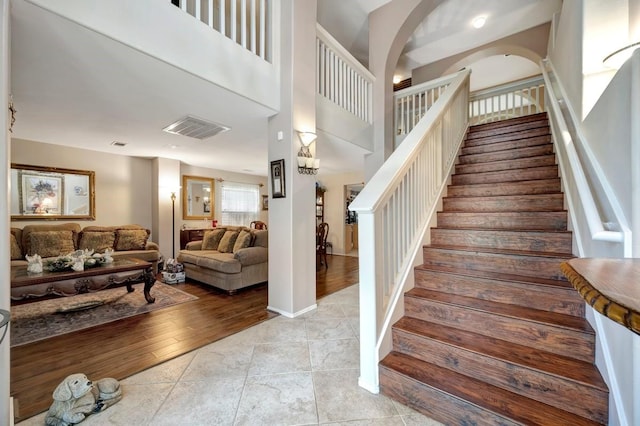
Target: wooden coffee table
[69,283]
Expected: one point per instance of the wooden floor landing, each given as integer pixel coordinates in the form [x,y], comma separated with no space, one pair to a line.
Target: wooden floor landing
[131,345]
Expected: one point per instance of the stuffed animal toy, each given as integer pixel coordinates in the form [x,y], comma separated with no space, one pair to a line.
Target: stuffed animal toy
[35,264]
[76,397]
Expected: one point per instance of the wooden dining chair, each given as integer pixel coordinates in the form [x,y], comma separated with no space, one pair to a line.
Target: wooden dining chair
[258,224]
[321,243]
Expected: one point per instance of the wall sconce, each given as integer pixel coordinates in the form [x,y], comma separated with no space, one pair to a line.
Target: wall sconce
[620,56]
[307,165]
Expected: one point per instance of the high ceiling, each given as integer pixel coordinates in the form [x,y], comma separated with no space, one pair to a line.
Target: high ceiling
[74,87]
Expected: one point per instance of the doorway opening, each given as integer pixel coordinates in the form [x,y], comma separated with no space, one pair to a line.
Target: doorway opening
[351,191]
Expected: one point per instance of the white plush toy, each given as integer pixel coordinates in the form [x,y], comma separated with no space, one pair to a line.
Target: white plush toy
[107,255]
[35,264]
[77,397]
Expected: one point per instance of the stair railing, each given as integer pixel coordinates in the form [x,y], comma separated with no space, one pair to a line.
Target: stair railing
[579,193]
[517,99]
[246,22]
[412,103]
[394,211]
[341,78]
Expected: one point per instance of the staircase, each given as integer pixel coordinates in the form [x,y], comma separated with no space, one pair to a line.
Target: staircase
[493,334]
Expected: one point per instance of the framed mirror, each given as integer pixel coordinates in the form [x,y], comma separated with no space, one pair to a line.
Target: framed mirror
[197,197]
[51,193]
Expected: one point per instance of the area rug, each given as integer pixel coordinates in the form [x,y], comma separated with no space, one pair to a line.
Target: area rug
[35,321]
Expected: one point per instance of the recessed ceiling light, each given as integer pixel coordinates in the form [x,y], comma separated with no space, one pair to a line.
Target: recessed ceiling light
[479,21]
[118,144]
[397,79]
[171,146]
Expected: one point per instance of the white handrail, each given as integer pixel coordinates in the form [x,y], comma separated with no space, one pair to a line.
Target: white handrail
[565,146]
[394,210]
[253,34]
[341,78]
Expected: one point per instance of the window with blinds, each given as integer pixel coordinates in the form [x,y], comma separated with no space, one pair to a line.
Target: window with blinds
[240,203]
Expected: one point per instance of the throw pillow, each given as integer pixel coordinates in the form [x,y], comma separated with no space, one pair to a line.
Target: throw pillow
[98,241]
[244,240]
[16,253]
[227,242]
[211,239]
[131,239]
[51,243]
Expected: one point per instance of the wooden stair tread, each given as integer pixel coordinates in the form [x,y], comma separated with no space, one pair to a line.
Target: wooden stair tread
[576,370]
[511,164]
[514,175]
[542,186]
[509,121]
[543,317]
[505,231]
[559,256]
[511,197]
[481,140]
[506,144]
[507,154]
[497,276]
[481,394]
[535,220]
[508,128]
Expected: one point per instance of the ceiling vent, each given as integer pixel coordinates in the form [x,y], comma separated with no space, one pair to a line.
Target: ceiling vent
[195,128]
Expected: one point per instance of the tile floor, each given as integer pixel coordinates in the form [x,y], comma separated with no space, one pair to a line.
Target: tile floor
[301,371]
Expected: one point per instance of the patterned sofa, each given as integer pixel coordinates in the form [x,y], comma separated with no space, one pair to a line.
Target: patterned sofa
[50,241]
[228,257]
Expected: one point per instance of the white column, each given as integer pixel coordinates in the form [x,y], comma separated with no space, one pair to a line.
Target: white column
[292,284]
[5,166]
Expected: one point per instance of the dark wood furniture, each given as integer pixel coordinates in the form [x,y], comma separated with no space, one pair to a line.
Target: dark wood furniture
[319,205]
[258,224]
[321,244]
[188,235]
[25,285]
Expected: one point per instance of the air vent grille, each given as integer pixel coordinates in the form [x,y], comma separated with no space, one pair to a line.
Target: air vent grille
[194,127]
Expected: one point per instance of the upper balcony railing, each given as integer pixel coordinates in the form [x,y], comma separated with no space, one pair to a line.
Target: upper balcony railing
[524,97]
[341,78]
[246,22]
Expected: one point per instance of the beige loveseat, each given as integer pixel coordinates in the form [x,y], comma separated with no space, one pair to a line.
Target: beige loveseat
[228,257]
[50,241]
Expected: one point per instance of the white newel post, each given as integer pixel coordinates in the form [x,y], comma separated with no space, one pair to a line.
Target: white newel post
[292,266]
[5,165]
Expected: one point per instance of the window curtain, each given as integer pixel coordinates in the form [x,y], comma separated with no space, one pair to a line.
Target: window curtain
[240,203]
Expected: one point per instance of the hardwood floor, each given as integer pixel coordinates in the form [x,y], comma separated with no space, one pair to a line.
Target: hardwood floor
[126,347]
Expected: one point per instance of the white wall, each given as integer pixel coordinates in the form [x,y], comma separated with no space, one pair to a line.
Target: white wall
[566,53]
[123,184]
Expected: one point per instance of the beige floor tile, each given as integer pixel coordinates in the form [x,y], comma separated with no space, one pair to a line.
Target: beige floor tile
[330,328]
[339,398]
[210,402]
[219,362]
[276,358]
[334,354]
[283,399]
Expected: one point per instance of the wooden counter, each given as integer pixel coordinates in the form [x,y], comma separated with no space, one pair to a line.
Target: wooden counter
[610,286]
